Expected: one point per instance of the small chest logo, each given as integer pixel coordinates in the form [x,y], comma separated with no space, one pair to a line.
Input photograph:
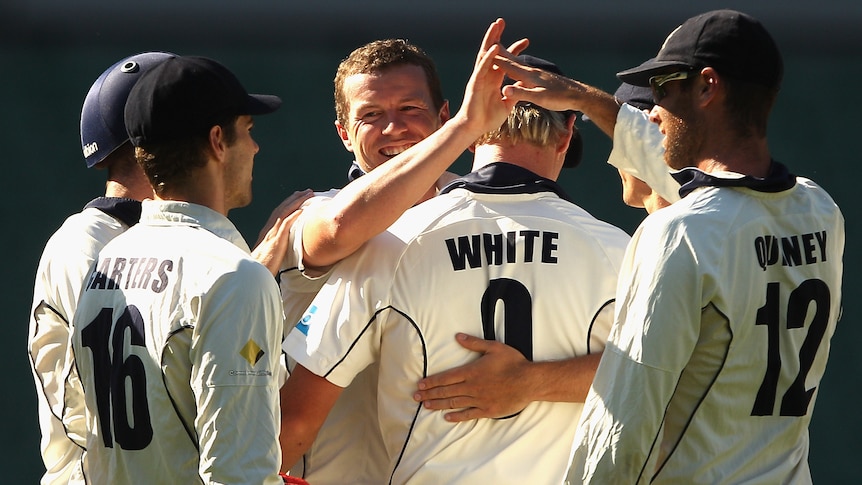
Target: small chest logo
[302,325]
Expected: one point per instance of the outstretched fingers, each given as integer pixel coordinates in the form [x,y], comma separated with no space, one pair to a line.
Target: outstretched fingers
[492,37]
[534,85]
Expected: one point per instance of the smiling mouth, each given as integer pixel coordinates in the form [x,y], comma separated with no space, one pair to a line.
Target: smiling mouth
[393,151]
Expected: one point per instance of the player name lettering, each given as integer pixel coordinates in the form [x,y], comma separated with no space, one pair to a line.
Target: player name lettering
[130,273]
[496,249]
[794,250]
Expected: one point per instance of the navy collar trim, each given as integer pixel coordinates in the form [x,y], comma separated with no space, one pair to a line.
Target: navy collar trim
[127,211]
[505,178]
[354,172]
[778,180]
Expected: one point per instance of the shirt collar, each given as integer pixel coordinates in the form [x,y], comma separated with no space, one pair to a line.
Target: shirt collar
[170,212]
[354,172]
[127,211]
[505,178]
[779,179]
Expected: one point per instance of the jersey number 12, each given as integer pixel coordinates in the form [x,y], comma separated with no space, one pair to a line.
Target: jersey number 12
[796,398]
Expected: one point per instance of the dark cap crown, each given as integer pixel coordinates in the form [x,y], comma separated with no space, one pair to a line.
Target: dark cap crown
[638,96]
[186,96]
[734,43]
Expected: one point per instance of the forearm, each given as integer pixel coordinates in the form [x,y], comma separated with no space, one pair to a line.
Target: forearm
[305,402]
[566,380]
[599,106]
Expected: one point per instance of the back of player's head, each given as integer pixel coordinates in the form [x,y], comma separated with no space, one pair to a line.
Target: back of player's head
[172,109]
[376,57]
[531,123]
[184,97]
[102,127]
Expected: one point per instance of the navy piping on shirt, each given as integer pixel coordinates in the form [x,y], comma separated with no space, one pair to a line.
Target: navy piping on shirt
[505,178]
[778,180]
[127,211]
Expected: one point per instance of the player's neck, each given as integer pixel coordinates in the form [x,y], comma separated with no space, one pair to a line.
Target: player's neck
[135,191]
[728,152]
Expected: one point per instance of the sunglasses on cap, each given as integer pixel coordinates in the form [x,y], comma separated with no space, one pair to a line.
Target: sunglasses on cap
[657,83]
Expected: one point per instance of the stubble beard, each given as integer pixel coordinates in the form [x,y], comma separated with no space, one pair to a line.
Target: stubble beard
[683,141]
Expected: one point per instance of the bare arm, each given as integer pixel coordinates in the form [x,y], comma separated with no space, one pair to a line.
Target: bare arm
[560,93]
[371,203]
[502,382]
[306,399]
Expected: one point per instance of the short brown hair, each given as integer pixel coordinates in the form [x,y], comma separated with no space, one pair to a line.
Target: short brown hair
[749,105]
[169,164]
[377,56]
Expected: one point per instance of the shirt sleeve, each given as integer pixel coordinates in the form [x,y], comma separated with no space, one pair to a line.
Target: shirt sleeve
[656,329]
[638,151]
[298,286]
[235,364]
[340,333]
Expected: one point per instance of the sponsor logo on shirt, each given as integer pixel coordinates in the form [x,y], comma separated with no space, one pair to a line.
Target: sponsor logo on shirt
[252,352]
[302,324]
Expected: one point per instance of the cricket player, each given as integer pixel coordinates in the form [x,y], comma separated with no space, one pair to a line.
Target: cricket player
[499,246]
[177,331]
[731,294]
[66,261]
[388,98]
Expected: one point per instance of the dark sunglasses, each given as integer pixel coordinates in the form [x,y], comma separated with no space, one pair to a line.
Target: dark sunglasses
[657,83]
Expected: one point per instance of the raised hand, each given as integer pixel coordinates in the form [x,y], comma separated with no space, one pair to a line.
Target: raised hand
[557,93]
[484,107]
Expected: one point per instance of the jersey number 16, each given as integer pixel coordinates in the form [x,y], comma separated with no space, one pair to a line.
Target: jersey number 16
[115,375]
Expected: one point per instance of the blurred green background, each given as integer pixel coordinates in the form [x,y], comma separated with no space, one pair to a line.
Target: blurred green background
[51,51]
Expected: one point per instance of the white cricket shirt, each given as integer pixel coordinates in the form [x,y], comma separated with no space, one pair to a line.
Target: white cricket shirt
[637,150]
[176,340]
[64,265]
[727,303]
[348,445]
[501,255]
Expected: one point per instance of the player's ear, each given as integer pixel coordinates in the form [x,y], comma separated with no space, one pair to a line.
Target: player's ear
[217,144]
[444,115]
[710,84]
[342,133]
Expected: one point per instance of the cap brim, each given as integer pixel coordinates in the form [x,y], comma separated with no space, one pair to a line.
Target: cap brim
[639,76]
[261,104]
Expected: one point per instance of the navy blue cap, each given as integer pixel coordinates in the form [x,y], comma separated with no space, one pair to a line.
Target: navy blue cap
[734,43]
[186,96]
[638,96]
[102,127]
[576,145]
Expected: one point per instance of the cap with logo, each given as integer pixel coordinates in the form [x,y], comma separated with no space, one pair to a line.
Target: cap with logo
[102,127]
[735,44]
